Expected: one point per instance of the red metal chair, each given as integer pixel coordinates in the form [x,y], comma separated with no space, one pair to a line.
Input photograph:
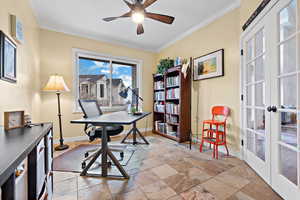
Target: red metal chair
[215,134]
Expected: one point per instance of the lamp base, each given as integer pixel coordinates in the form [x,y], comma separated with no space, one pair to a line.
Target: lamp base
[61,147]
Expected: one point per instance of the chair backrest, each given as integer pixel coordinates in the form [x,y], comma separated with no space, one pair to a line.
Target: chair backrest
[220,111]
[90,108]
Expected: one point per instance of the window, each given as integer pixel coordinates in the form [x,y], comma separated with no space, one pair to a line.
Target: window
[102,78]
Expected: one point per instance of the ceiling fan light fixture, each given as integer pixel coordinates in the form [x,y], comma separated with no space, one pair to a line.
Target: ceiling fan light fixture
[138,17]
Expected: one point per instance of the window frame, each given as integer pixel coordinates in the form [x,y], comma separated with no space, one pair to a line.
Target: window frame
[77,53]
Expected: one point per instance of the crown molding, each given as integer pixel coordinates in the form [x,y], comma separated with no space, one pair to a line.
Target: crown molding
[201,25]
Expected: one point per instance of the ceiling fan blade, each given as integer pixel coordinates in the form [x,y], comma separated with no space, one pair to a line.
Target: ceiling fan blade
[140,29]
[131,6]
[109,19]
[162,18]
[148,3]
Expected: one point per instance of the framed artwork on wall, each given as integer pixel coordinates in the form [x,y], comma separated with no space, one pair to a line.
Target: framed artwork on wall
[17,31]
[8,59]
[209,66]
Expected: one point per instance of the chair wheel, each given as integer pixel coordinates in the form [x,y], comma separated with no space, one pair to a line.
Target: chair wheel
[86,154]
[83,165]
[122,155]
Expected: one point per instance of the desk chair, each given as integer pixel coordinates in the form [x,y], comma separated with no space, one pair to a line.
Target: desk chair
[92,109]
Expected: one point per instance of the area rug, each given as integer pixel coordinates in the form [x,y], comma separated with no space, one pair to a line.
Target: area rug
[71,160]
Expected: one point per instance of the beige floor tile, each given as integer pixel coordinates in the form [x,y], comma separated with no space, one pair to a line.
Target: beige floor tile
[84,182]
[65,187]
[168,170]
[164,171]
[72,196]
[146,178]
[219,189]
[197,193]
[232,180]
[61,176]
[136,194]
[95,192]
[259,190]
[240,196]
[158,191]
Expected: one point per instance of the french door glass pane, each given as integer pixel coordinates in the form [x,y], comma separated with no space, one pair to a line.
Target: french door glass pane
[288,131]
[288,163]
[250,50]
[250,94]
[250,118]
[250,73]
[260,68]
[260,94]
[260,146]
[288,90]
[259,43]
[288,58]
[287,18]
[260,121]
[250,141]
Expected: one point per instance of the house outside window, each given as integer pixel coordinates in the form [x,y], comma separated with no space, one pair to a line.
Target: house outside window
[102,78]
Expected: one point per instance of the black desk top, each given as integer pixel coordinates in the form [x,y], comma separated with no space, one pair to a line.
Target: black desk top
[118,118]
[16,144]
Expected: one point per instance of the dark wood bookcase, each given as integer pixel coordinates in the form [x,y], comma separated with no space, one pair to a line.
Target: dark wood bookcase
[179,127]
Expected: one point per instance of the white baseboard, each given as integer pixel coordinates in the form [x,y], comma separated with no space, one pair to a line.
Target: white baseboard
[85,137]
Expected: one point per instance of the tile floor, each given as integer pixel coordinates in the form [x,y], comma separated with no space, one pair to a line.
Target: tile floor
[165,170]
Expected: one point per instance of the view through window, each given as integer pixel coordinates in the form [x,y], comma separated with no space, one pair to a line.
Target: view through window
[103,80]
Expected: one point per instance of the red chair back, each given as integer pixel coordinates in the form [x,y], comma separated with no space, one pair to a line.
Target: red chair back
[220,111]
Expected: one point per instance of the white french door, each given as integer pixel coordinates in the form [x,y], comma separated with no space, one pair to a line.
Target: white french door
[271,110]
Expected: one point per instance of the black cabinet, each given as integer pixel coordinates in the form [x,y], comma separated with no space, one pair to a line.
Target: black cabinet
[34,150]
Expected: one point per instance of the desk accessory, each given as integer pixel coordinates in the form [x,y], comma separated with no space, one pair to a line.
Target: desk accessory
[135,92]
[57,84]
[13,120]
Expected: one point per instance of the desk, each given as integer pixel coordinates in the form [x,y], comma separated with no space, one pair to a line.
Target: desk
[116,118]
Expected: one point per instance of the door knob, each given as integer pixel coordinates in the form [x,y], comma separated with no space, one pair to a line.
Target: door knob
[272,109]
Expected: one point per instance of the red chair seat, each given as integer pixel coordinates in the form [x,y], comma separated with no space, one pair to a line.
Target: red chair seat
[213,122]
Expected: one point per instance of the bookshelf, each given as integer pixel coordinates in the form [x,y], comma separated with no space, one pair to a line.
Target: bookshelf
[171,107]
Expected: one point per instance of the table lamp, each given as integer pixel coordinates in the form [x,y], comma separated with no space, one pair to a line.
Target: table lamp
[57,84]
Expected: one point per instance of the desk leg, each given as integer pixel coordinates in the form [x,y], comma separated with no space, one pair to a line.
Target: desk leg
[104,153]
[134,132]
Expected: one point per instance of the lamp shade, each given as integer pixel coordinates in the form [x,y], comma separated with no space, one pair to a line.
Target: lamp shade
[56,83]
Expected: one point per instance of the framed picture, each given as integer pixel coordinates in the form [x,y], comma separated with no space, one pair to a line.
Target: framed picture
[8,59]
[17,31]
[209,66]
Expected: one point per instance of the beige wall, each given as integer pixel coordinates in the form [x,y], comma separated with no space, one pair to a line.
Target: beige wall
[24,95]
[247,8]
[222,33]
[57,57]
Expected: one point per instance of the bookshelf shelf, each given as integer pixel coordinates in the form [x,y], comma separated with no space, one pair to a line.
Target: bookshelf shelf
[176,90]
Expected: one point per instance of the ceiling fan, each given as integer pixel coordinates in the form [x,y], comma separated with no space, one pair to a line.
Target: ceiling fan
[138,14]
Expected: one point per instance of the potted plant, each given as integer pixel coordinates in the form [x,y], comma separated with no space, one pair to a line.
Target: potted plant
[164,65]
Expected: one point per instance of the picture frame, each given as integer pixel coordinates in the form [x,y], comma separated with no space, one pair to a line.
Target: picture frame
[14,119]
[209,66]
[17,29]
[8,59]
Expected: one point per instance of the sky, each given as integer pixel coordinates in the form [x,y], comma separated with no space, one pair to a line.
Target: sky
[90,67]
